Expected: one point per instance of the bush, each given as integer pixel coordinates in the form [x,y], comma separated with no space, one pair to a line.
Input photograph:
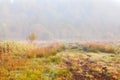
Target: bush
[45,51]
[98,47]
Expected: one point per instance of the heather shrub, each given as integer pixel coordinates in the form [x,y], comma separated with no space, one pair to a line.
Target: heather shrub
[47,51]
[98,47]
[0,52]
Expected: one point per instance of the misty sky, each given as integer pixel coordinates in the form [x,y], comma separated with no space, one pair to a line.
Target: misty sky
[67,19]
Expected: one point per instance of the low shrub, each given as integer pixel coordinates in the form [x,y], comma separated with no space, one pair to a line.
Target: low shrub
[98,47]
[45,51]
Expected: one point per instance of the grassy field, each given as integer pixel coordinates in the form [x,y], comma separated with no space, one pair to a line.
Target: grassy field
[59,61]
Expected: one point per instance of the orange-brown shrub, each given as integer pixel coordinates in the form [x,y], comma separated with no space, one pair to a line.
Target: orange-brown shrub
[4,49]
[98,47]
[0,53]
[37,52]
[45,51]
[13,63]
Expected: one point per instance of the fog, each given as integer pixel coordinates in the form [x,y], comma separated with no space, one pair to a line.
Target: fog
[60,19]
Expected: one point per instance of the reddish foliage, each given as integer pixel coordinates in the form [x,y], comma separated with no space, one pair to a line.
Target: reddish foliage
[98,47]
[0,53]
[85,69]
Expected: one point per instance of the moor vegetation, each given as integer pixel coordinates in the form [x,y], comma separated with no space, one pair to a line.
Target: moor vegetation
[59,61]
